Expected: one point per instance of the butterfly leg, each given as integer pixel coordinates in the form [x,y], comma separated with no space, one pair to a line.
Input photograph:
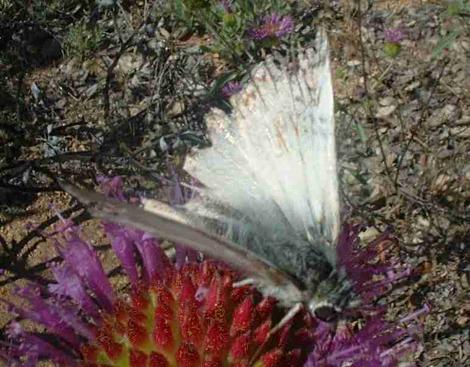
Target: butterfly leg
[242,283]
[289,316]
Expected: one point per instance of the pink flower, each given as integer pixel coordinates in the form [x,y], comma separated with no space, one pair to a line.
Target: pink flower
[272,26]
[393,35]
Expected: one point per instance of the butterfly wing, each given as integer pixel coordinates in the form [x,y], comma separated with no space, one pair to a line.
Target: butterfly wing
[270,181]
[273,159]
[170,224]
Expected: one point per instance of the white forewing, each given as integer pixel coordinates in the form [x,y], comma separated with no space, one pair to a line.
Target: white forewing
[274,158]
[165,222]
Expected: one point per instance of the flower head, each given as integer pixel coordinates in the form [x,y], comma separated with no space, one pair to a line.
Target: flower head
[272,26]
[393,35]
[227,5]
[193,316]
[187,312]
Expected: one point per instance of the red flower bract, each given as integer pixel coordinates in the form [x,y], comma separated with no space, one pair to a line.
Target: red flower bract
[167,321]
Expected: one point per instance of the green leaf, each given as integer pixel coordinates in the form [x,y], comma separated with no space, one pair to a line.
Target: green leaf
[445,42]
[454,8]
[392,49]
[360,131]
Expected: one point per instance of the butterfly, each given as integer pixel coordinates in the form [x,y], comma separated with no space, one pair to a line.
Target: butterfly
[269,205]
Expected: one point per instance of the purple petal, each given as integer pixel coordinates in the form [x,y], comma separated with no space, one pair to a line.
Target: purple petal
[179,195]
[84,261]
[70,285]
[52,316]
[123,246]
[272,26]
[154,259]
[184,255]
[112,187]
[372,271]
[28,349]
[394,35]
[231,88]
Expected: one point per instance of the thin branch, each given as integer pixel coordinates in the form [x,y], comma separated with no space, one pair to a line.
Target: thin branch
[110,70]
[366,90]
[420,122]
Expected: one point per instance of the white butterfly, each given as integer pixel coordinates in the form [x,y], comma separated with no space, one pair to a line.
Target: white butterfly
[270,205]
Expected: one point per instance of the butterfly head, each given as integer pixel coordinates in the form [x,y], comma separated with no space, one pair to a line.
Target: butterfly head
[332,297]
